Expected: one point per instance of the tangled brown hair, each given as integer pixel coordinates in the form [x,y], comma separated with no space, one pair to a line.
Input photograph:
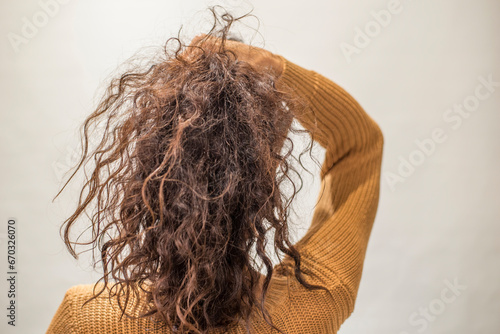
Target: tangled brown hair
[186,184]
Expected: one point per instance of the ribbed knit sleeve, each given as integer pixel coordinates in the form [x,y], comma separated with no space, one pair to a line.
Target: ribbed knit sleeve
[333,248]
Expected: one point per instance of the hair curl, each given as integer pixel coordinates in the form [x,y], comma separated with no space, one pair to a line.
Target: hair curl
[186,184]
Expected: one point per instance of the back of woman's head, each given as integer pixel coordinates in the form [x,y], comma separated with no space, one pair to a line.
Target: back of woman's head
[186,184]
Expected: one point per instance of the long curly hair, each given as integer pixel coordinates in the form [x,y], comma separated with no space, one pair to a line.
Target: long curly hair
[185,185]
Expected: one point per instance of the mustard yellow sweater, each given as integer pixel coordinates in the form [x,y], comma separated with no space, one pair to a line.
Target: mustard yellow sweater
[333,249]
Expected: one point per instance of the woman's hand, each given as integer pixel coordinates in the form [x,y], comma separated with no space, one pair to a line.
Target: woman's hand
[260,59]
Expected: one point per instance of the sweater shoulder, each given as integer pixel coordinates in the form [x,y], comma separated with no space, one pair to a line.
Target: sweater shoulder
[103,314]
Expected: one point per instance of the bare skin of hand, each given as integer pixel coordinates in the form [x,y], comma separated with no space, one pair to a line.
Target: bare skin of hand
[260,59]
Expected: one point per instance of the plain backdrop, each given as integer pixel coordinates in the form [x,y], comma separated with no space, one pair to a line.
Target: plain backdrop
[417,67]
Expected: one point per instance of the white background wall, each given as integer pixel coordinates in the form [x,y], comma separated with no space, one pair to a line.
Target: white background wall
[438,222]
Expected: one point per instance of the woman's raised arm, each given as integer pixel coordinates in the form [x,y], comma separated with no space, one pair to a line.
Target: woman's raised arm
[333,248]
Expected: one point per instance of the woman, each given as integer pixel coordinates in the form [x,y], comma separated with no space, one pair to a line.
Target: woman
[186,182]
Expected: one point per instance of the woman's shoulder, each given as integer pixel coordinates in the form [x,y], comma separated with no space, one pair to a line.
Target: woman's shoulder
[86,298]
[100,314]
